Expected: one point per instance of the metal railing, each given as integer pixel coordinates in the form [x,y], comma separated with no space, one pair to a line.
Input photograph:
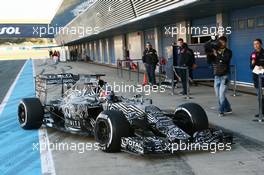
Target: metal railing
[233,76]
[120,69]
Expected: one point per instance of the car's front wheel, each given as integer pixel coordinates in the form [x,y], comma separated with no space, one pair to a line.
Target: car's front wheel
[109,128]
[30,113]
[191,118]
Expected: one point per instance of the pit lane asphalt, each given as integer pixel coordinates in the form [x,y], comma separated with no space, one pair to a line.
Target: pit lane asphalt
[8,72]
[245,158]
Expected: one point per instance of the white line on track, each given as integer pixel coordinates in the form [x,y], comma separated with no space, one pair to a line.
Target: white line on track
[47,164]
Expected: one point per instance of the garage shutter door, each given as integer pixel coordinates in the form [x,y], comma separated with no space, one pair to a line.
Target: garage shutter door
[104,49]
[112,50]
[203,22]
[204,71]
[149,37]
[167,41]
[247,25]
[91,50]
[98,51]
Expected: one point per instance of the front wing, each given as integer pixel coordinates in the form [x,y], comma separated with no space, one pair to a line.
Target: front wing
[208,140]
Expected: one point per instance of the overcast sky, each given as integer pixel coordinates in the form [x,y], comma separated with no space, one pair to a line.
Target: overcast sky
[28,11]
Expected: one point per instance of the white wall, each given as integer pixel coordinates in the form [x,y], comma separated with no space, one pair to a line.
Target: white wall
[135,45]
[119,47]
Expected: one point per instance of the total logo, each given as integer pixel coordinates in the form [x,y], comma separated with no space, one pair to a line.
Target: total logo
[131,143]
[10,31]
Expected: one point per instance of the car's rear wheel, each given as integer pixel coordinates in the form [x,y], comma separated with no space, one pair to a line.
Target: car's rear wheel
[109,128]
[30,113]
[191,118]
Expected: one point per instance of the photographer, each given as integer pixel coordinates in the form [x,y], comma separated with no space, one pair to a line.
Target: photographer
[150,59]
[220,56]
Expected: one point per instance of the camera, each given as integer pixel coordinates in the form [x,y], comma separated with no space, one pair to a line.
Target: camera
[212,45]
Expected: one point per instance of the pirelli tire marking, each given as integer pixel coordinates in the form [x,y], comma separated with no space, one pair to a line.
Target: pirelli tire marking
[104,116]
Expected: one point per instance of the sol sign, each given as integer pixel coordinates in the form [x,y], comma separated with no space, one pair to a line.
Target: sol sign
[10,31]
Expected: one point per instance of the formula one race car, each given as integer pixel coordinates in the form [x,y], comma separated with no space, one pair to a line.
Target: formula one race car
[133,125]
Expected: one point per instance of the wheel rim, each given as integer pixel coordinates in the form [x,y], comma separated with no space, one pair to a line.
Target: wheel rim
[21,113]
[103,132]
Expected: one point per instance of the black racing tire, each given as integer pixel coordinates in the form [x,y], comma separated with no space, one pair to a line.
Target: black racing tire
[110,126]
[30,113]
[191,118]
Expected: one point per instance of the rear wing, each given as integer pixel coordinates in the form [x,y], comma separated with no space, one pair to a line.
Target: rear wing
[44,80]
[51,79]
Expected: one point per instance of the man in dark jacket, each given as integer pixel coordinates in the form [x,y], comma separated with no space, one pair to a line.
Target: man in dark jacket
[193,65]
[186,60]
[220,59]
[175,49]
[176,54]
[150,59]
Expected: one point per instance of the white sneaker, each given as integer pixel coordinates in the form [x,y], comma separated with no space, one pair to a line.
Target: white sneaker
[221,114]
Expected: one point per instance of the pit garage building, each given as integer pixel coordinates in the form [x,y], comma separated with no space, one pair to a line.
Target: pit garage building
[114,26]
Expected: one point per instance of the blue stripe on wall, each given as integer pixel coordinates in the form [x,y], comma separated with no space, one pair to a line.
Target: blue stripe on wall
[17,155]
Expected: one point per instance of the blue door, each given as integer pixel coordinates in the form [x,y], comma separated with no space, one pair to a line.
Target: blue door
[204,71]
[247,25]
[104,49]
[98,51]
[91,51]
[112,51]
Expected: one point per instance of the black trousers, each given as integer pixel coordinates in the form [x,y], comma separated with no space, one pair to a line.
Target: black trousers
[256,81]
[184,79]
[150,69]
